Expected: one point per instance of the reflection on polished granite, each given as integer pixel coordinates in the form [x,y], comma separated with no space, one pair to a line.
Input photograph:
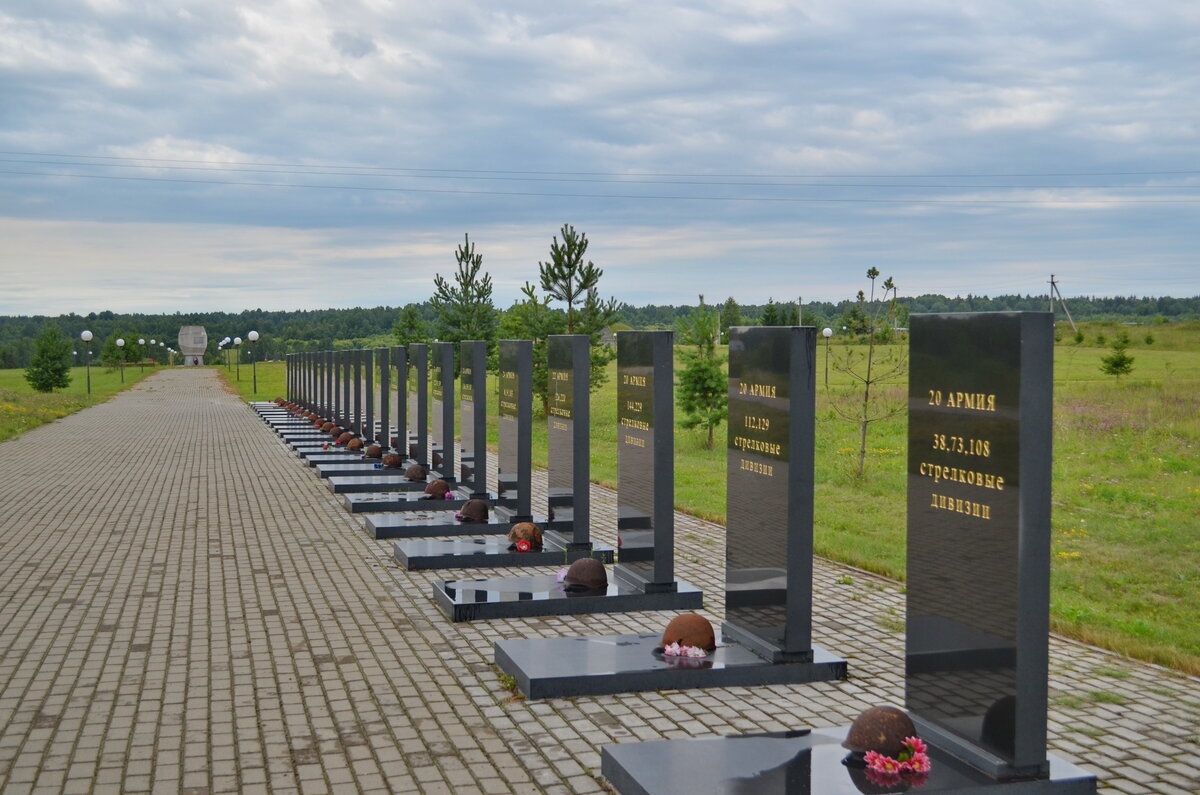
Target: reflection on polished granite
[553,667]
[797,763]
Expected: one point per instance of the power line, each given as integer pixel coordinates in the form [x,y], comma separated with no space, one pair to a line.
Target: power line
[1029,175]
[649,197]
[605,181]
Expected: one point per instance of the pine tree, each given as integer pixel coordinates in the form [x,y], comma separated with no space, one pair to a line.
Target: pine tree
[703,390]
[771,315]
[463,310]
[533,319]
[1119,362]
[51,365]
[566,277]
[731,315]
[410,327]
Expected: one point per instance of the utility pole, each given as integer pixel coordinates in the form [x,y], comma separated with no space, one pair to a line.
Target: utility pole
[1055,291]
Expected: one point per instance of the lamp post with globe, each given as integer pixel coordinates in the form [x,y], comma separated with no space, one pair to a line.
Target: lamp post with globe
[152,348]
[141,354]
[86,336]
[121,357]
[237,344]
[826,333]
[253,337]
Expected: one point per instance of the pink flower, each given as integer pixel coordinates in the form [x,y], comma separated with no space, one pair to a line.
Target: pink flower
[562,575]
[678,650]
[920,763]
[881,764]
[448,496]
[916,745]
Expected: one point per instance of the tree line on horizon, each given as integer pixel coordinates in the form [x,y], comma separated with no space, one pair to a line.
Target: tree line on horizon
[284,331]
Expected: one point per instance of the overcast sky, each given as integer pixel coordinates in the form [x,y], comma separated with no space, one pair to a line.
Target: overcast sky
[163,156]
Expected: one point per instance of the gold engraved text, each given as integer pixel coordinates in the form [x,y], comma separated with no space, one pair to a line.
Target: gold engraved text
[979,510]
[757,468]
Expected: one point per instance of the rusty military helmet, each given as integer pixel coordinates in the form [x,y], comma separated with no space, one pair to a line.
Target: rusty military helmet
[373,451]
[526,532]
[690,629]
[354,444]
[345,438]
[585,574]
[393,461]
[416,473]
[437,489]
[473,511]
[880,729]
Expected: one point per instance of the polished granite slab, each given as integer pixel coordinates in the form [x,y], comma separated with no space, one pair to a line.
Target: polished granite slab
[543,595]
[476,553]
[339,457]
[564,667]
[424,524]
[411,500]
[798,763]
[383,481]
[402,501]
[327,468]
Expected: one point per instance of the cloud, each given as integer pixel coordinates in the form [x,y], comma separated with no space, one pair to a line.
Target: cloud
[691,140]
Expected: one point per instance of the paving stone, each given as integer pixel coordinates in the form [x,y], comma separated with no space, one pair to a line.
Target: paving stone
[187,600]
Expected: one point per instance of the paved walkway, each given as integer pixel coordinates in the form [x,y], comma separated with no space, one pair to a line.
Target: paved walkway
[184,608]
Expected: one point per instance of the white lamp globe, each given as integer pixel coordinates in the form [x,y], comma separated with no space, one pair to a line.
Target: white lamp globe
[120,343]
[253,335]
[86,336]
[827,332]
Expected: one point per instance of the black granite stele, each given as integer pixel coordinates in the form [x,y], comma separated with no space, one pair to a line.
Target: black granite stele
[472,475]
[767,637]
[644,360]
[441,381]
[978,589]
[568,444]
[512,503]
[417,383]
[383,435]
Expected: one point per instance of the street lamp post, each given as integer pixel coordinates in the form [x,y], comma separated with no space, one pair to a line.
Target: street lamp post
[152,347]
[121,358]
[827,333]
[253,337]
[237,344]
[86,336]
[141,354]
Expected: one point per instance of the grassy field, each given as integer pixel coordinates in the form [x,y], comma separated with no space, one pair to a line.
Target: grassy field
[1126,525]
[22,409]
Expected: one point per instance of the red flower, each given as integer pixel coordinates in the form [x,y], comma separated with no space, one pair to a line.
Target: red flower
[524,546]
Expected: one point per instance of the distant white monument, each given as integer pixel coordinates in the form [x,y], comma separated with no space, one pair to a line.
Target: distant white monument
[193,341]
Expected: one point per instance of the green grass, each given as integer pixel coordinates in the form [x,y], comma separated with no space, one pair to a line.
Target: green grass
[1126,555]
[272,380]
[22,409]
